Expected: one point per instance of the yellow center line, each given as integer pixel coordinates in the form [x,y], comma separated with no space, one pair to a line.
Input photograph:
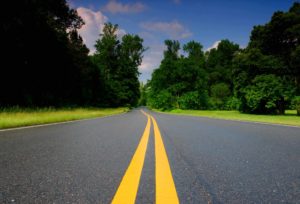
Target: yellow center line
[146,114]
[164,183]
[165,186]
[128,187]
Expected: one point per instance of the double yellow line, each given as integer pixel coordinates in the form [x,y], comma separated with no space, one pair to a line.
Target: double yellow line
[164,184]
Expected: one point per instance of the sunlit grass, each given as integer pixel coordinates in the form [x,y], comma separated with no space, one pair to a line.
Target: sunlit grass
[16,117]
[290,118]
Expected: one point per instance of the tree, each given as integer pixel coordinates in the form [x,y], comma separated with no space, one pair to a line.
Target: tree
[179,80]
[219,63]
[173,46]
[262,78]
[40,72]
[107,59]
[219,67]
[119,61]
[161,100]
[130,59]
[219,94]
[163,77]
[194,73]
[257,85]
[266,70]
[267,94]
[88,86]
[280,38]
[144,92]
[295,67]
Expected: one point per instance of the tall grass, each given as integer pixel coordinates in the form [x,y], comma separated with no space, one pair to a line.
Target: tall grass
[16,116]
[290,118]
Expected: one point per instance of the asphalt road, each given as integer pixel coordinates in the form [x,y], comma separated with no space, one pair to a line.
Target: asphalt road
[211,160]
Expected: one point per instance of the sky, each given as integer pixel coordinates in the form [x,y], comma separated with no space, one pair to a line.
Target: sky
[204,21]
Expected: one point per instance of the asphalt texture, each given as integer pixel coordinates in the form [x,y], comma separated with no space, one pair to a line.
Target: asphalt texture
[212,161]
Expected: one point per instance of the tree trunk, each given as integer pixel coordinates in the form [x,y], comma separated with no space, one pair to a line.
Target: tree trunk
[281,106]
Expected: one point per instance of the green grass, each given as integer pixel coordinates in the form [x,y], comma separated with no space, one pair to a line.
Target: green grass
[17,117]
[290,118]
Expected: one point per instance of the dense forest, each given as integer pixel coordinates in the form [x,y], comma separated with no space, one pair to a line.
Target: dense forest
[262,78]
[46,63]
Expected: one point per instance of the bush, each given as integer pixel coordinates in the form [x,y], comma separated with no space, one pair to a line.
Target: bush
[193,100]
[267,94]
[189,100]
[163,100]
[204,100]
[296,104]
[233,103]
[219,92]
[216,103]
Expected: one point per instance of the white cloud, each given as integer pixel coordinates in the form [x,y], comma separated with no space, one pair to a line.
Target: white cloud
[113,6]
[215,45]
[173,29]
[94,23]
[151,61]
[152,58]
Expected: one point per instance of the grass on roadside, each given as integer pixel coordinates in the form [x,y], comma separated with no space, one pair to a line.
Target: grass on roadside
[290,118]
[17,117]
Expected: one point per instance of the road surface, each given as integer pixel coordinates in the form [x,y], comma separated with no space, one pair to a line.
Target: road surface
[148,157]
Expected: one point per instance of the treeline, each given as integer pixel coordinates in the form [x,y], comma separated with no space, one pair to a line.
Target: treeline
[262,78]
[44,61]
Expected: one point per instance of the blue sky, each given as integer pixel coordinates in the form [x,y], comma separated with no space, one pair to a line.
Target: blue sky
[205,21]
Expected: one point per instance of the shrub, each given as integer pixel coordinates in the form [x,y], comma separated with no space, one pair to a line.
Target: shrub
[267,94]
[233,103]
[219,94]
[163,100]
[296,104]
[220,91]
[189,100]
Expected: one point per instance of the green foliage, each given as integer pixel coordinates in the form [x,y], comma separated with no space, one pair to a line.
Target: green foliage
[189,100]
[233,103]
[220,91]
[295,67]
[219,63]
[180,81]
[289,119]
[261,78]
[280,38]
[266,73]
[49,57]
[173,47]
[162,100]
[194,100]
[143,97]
[296,104]
[16,116]
[51,66]
[267,94]
[119,61]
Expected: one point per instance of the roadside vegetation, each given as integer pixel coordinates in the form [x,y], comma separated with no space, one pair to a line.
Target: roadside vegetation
[46,62]
[52,67]
[290,117]
[263,78]
[16,117]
